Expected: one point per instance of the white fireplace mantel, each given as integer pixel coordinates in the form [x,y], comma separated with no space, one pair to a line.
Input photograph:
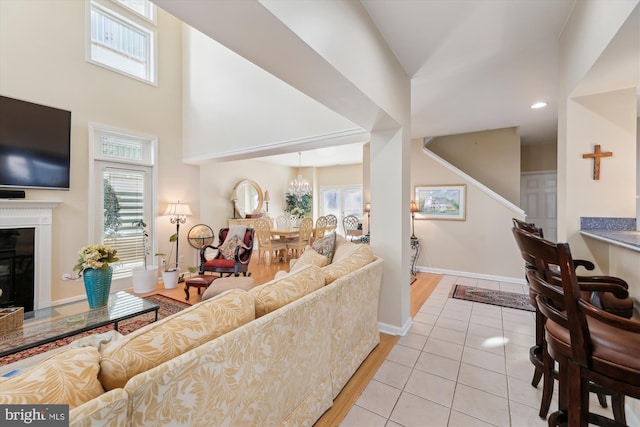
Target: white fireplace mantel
[39,215]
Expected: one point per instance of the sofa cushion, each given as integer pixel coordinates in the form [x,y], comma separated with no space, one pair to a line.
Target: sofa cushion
[223,284]
[309,257]
[69,377]
[325,245]
[176,334]
[343,248]
[359,257]
[277,293]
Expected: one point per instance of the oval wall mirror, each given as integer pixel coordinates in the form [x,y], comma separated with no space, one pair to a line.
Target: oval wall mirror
[249,196]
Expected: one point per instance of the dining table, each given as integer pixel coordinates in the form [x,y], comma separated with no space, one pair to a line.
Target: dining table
[285,232]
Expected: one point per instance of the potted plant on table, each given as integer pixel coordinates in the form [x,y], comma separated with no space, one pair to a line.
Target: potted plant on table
[297,207]
[144,278]
[170,271]
[93,266]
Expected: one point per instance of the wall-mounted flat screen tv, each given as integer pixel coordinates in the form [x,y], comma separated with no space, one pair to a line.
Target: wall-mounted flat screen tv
[35,145]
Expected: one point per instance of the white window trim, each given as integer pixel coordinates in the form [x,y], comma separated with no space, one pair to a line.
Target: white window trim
[153,20]
[133,18]
[94,156]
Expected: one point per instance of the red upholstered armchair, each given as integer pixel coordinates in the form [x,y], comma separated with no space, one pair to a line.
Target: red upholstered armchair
[231,258]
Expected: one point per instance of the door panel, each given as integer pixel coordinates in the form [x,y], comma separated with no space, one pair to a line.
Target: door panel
[538,199]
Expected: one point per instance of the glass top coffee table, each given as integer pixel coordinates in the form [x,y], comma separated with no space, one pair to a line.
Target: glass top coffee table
[45,325]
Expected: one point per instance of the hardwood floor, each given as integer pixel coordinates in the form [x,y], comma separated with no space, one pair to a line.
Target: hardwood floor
[420,290]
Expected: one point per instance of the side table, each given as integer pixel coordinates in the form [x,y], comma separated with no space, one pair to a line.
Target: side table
[415,246]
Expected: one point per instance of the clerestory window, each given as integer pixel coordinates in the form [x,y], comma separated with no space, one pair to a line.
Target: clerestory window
[122,37]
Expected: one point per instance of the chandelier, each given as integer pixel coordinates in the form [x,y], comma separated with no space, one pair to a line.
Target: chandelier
[299,187]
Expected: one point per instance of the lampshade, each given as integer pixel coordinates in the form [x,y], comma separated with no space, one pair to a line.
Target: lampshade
[233,196]
[266,196]
[413,207]
[367,207]
[178,209]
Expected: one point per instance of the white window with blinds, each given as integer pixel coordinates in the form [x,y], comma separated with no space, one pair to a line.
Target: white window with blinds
[123,171]
[121,36]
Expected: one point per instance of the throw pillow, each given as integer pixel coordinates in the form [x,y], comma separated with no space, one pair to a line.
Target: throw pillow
[326,245]
[309,257]
[228,248]
[69,377]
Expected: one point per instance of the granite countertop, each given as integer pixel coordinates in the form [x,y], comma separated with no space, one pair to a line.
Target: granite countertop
[616,231]
[626,239]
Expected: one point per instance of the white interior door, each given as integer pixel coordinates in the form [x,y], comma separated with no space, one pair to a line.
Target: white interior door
[538,199]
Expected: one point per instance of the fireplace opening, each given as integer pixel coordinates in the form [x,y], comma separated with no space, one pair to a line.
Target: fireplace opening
[17,267]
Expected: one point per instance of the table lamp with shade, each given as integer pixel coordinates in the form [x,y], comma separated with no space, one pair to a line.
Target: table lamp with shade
[178,213]
[267,199]
[234,200]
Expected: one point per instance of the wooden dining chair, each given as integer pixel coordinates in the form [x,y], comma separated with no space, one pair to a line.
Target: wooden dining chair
[268,247]
[321,228]
[546,270]
[282,222]
[350,227]
[332,222]
[303,239]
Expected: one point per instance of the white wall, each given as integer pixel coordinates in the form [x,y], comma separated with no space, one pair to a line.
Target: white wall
[222,91]
[481,245]
[492,157]
[42,60]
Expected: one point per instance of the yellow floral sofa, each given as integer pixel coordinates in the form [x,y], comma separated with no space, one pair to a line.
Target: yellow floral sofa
[275,355]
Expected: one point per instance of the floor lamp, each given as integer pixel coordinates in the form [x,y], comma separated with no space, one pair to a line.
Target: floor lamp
[413,208]
[367,209]
[178,213]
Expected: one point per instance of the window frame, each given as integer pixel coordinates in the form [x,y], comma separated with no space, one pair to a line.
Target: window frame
[129,17]
[340,189]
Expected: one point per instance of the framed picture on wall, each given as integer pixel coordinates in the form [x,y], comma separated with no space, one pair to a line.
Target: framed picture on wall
[441,202]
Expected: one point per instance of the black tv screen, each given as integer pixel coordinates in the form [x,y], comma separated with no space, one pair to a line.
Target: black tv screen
[35,144]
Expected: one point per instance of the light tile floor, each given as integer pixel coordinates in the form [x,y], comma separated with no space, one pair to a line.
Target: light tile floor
[462,364]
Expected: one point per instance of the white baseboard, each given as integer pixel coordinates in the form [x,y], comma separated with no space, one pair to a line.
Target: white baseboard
[385,328]
[519,281]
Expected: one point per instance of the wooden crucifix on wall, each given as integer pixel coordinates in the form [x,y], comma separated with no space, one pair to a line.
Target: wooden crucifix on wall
[596,155]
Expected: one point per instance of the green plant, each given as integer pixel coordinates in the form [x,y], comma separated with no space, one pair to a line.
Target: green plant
[112,221]
[299,207]
[96,257]
[191,269]
[142,226]
[165,264]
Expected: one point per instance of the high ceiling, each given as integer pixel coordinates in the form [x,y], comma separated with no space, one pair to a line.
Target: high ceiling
[474,65]
[477,65]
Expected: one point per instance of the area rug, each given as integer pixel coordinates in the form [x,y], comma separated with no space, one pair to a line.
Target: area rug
[168,306]
[491,296]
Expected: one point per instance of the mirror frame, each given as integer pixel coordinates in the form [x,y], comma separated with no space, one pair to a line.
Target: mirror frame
[255,185]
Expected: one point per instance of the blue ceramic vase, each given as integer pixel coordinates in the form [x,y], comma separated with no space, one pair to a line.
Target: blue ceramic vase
[97,283]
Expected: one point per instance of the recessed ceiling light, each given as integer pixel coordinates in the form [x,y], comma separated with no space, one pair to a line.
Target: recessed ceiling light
[540,104]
